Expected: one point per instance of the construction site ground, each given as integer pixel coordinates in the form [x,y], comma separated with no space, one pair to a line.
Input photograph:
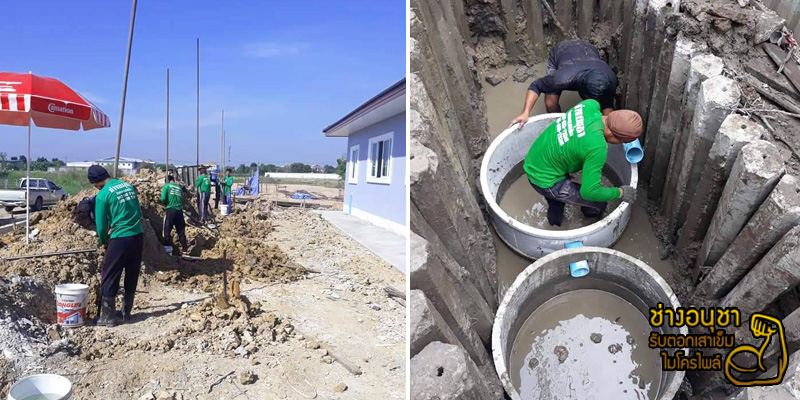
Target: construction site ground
[325,196]
[305,313]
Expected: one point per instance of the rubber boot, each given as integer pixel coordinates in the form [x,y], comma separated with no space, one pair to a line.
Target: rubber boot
[107,312]
[127,307]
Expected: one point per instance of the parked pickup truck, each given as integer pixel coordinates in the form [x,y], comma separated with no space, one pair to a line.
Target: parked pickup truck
[43,192]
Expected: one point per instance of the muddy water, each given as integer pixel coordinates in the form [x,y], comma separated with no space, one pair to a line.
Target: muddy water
[523,203]
[504,102]
[585,344]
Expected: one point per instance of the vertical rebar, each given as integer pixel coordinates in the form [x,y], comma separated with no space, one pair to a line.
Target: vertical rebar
[124,89]
[198,102]
[166,167]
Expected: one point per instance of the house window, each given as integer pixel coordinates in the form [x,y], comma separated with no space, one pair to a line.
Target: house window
[353,167]
[380,159]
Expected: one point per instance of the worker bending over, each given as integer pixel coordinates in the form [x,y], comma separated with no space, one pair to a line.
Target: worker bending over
[578,141]
[573,65]
[119,227]
[203,185]
[172,198]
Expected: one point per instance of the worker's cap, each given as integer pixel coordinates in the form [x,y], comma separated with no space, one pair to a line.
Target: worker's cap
[596,85]
[625,125]
[97,174]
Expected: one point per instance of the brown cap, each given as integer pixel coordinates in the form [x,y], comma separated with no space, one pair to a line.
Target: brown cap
[625,125]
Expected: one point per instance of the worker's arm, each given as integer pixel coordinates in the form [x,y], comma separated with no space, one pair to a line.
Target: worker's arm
[164,194]
[530,100]
[591,186]
[101,219]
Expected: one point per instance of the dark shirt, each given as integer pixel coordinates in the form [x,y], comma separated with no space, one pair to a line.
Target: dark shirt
[571,59]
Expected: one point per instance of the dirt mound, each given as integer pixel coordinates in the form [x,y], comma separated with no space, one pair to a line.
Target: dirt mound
[235,247]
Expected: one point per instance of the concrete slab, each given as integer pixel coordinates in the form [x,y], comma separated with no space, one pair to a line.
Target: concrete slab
[386,244]
[427,325]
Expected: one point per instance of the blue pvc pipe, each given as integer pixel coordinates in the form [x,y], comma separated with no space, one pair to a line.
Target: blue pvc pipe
[633,151]
[350,206]
[579,268]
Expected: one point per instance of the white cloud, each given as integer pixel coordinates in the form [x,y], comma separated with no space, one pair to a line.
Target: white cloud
[273,49]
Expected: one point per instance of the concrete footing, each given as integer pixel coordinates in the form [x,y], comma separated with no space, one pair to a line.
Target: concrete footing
[778,271]
[665,117]
[777,215]
[610,270]
[757,169]
[468,317]
[735,131]
[445,371]
[702,67]
[717,98]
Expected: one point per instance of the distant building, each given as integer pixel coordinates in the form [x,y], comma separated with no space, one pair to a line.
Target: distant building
[375,180]
[127,166]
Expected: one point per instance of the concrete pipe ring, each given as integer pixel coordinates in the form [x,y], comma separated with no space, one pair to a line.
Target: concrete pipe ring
[505,156]
[612,272]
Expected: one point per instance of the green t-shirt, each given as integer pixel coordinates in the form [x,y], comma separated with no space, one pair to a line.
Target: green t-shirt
[574,142]
[203,184]
[228,185]
[117,211]
[172,196]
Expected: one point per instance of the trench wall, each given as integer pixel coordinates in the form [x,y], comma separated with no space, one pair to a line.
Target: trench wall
[713,178]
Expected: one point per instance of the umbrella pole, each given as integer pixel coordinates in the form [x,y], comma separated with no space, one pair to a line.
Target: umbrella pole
[28,188]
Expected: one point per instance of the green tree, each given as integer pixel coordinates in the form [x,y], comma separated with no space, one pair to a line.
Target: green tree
[299,168]
[41,164]
[341,166]
[329,169]
[270,168]
[241,169]
[57,163]
[3,160]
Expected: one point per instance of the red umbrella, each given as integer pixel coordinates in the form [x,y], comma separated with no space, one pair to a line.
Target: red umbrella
[49,103]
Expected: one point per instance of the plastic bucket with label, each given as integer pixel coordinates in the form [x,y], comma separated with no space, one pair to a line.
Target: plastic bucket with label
[71,304]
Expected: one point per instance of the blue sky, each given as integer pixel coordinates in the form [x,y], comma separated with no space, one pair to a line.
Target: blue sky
[281,70]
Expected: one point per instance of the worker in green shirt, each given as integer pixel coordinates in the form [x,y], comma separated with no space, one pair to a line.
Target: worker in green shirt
[119,227]
[228,184]
[172,198]
[203,185]
[578,141]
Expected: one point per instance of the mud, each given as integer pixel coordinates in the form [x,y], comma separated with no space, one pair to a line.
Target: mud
[524,204]
[585,344]
[504,101]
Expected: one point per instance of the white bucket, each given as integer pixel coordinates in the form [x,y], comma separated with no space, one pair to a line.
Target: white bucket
[223,209]
[71,304]
[44,386]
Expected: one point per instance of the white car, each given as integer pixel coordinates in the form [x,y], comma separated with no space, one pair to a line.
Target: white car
[43,192]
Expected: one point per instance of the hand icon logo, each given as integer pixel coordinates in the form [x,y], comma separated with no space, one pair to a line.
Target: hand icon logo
[762,326]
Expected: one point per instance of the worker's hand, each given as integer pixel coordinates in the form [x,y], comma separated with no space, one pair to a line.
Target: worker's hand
[522,119]
[628,193]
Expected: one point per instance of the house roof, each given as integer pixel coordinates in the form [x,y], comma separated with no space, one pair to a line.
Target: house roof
[388,103]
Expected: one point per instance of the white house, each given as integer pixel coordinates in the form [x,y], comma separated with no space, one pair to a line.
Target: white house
[127,166]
